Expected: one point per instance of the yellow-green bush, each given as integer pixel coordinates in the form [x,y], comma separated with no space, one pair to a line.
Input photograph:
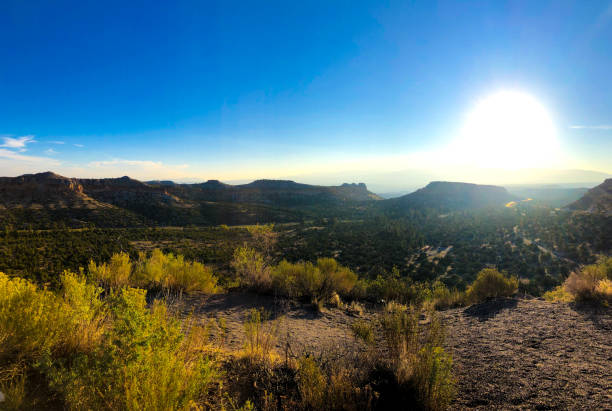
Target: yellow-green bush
[558,294]
[93,353]
[157,270]
[32,321]
[173,273]
[318,282]
[114,274]
[416,356]
[144,361]
[251,268]
[444,298]
[592,282]
[491,283]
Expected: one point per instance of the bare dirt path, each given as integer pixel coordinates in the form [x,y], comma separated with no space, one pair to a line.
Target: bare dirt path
[508,354]
[301,328]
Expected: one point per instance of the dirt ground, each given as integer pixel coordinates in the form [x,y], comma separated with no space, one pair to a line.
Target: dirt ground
[508,353]
[531,354]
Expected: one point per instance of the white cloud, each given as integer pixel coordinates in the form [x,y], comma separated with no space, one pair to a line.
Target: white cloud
[78,145]
[596,127]
[50,151]
[57,142]
[12,155]
[19,142]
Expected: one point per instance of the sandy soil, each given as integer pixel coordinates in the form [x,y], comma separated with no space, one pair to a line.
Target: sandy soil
[508,354]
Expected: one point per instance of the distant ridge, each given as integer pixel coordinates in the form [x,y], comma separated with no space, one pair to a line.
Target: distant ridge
[445,195]
[596,200]
[166,202]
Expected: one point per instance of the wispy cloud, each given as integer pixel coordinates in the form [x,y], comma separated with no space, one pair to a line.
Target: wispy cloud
[19,142]
[596,127]
[78,145]
[50,151]
[12,155]
[57,142]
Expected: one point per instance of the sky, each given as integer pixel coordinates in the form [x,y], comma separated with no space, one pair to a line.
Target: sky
[317,91]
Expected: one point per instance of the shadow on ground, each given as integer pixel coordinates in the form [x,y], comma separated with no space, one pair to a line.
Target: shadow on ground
[490,308]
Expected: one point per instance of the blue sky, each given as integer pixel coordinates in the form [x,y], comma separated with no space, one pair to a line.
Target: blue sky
[242,90]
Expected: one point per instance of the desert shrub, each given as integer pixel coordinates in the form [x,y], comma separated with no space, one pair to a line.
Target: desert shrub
[251,268]
[261,335]
[32,321]
[395,288]
[114,274]
[444,298]
[144,362]
[558,294]
[491,283]
[318,282]
[174,273]
[92,353]
[416,357]
[591,283]
[363,331]
[312,384]
[159,270]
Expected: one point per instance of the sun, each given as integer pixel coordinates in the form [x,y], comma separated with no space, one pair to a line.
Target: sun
[508,129]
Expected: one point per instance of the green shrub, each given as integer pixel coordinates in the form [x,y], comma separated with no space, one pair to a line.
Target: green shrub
[161,270]
[32,321]
[318,282]
[251,268]
[91,353]
[416,356]
[143,362]
[363,330]
[114,274]
[444,298]
[174,273]
[491,283]
[395,288]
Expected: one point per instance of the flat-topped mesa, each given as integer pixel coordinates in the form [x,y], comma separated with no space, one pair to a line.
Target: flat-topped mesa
[42,182]
[42,190]
[212,185]
[275,184]
[454,196]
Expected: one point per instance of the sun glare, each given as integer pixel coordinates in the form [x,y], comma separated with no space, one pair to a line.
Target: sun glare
[508,129]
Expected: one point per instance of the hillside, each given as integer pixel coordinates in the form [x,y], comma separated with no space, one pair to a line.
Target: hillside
[44,190]
[450,196]
[596,200]
[168,203]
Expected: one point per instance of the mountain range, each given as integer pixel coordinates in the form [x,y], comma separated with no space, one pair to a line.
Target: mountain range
[126,201]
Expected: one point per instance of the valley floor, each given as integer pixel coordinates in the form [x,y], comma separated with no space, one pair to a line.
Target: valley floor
[508,353]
